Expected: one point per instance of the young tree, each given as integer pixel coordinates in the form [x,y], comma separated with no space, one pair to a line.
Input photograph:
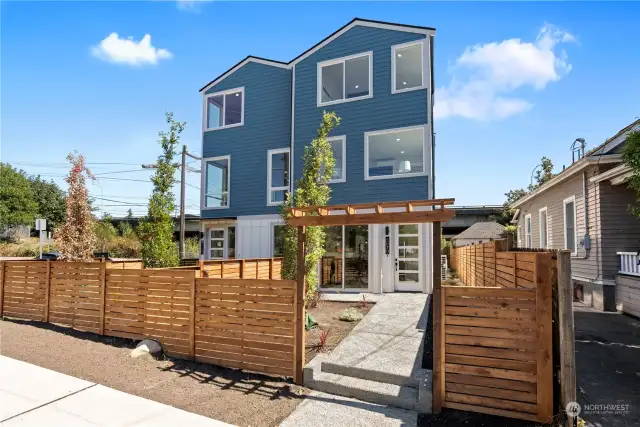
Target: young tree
[75,239]
[51,201]
[311,190]
[156,229]
[17,204]
[631,156]
[105,232]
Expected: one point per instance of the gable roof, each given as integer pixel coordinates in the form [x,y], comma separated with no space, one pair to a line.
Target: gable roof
[603,153]
[483,230]
[320,44]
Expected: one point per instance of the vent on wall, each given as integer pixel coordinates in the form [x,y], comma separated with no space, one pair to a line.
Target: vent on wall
[443,267]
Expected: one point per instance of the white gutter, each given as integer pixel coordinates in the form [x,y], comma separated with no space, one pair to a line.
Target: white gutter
[568,173]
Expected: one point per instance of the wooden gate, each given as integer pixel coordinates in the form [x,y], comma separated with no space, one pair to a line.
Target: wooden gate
[493,346]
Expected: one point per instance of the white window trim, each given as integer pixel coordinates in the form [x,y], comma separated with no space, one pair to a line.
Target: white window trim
[270,153]
[528,236]
[344,77]
[205,99]
[546,225]
[203,182]
[424,172]
[571,199]
[342,138]
[423,54]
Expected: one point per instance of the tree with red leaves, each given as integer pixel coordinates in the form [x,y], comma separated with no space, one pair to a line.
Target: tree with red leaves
[75,239]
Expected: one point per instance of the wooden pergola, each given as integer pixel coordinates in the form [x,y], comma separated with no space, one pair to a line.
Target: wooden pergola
[407,212]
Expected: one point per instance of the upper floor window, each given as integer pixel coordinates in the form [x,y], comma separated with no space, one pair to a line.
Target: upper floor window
[527,232]
[224,109]
[277,176]
[570,235]
[407,67]
[339,150]
[345,79]
[216,182]
[394,153]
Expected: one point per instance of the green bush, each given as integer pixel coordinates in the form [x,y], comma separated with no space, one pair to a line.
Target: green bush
[124,247]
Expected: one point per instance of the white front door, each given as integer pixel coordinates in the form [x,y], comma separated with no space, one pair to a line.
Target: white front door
[407,258]
[217,243]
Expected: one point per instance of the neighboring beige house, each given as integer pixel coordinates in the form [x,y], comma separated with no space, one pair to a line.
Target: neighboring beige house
[599,229]
[479,232]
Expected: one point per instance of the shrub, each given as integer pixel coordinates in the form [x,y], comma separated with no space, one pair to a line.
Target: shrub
[323,338]
[351,315]
[124,247]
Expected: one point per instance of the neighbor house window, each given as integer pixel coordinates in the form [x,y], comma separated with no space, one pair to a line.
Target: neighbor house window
[407,65]
[278,240]
[544,228]
[217,182]
[395,153]
[277,175]
[527,232]
[339,150]
[224,109]
[345,79]
[570,234]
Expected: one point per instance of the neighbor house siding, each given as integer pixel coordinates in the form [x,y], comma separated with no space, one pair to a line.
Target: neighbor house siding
[383,111]
[620,228]
[553,199]
[267,125]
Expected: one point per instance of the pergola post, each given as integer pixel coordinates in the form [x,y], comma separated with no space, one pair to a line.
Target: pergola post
[298,345]
[438,322]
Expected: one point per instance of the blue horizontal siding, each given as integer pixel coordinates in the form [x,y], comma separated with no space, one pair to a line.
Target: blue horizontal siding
[383,111]
[267,121]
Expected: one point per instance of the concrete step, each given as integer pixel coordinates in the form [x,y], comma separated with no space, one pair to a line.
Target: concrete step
[369,374]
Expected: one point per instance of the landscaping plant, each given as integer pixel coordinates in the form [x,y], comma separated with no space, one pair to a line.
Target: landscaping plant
[312,189]
[631,156]
[323,338]
[156,229]
[75,239]
[363,301]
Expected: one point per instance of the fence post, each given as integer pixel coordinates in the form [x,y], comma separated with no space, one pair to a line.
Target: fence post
[192,316]
[438,327]
[222,269]
[242,268]
[299,316]
[515,267]
[542,275]
[2,275]
[567,333]
[270,268]
[103,295]
[47,293]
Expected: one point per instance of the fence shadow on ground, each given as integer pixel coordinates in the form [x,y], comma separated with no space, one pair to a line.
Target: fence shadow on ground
[273,388]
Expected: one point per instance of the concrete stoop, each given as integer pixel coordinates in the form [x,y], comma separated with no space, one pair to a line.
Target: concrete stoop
[412,393]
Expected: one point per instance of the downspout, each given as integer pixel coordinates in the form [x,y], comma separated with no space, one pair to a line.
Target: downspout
[585,197]
[433,134]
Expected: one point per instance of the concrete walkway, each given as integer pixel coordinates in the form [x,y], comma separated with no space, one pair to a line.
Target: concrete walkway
[379,363]
[35,396]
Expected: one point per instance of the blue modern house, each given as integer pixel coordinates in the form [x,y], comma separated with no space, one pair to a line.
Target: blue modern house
[260,114]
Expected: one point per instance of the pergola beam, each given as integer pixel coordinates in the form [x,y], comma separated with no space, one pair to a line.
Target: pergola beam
[413,217]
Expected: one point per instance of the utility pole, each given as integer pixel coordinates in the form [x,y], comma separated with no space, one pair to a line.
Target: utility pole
[183,180]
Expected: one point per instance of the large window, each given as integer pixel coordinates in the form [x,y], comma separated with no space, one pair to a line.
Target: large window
[544,228]
[395,153]
[345,263]
[570,234]
[277,176]
[217,182]
[339,150]
[224,109]
[527,232]
[345,79]
[407,67]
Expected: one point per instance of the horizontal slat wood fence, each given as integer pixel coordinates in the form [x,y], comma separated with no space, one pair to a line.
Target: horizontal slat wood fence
[237,323]
[267,268]
[494,352]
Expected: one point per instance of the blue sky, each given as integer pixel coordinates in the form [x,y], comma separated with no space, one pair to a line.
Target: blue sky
[507,93]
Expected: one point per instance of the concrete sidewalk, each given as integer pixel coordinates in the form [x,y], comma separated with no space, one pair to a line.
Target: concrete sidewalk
[35,396]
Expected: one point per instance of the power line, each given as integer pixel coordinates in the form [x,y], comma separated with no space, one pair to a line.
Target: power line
[124,171]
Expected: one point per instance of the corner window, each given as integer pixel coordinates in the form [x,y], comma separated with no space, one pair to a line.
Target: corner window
[407,70]
[345,79]
[570,234]
[395,153]
[277,176]
[278,240]
[544,228]
[216,182]
[224,109]
[527,232]
[339,149]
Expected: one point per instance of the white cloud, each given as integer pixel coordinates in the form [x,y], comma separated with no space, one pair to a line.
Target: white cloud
[128,51]
[484,75]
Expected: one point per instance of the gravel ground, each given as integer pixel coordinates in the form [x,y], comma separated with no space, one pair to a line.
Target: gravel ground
[228,395]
